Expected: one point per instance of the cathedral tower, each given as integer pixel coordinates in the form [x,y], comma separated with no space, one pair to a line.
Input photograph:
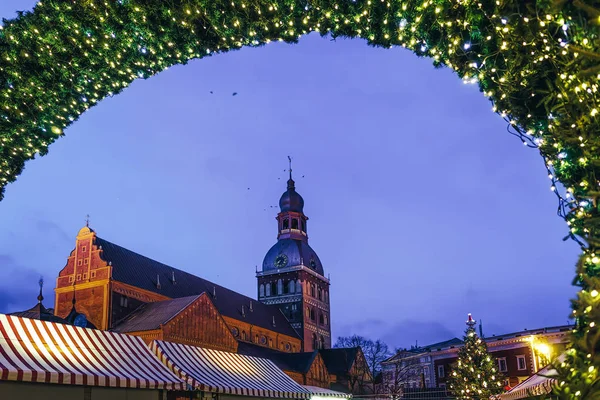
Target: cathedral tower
[292,276]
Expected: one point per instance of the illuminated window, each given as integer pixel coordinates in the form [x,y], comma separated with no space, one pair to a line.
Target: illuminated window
[521,364]
[502,364]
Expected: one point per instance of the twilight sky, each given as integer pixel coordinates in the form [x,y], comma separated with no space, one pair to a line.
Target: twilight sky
[422,207]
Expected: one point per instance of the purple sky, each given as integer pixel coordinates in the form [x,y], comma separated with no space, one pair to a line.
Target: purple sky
[422,207]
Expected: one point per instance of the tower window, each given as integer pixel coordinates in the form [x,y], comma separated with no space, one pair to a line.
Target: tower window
[312,290]
[315,342]
[303,225]
[321,319]
[319,294]
[312,314]
[294,223]
[279,286]
[325,320]
[307,312]
[243,335]
[273,288]
[321,342]
[291,286]
[286,224]
[298,286]
[268,289]
[261,290]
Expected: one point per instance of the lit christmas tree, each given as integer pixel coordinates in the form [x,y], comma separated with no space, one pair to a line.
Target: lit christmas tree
[474,376]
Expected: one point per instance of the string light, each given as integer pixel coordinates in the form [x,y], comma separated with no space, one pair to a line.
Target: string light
[64,57]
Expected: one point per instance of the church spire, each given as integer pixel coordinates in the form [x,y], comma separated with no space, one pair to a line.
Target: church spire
[290,183]
[40,296]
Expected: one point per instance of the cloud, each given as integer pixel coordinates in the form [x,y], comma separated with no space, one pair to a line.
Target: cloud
[50,228]
[18,285]
[400,334]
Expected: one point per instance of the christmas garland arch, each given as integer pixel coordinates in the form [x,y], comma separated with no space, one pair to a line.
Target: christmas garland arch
[537,61]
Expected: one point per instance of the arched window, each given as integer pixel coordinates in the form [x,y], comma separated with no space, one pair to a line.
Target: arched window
[261,290]
[291,286]
[303,225]
[243,335]
[312,314]
[319,294]
[325,320]
[312,290]
[315,342]
[321,342]
[286,224]
[294,223]
[321,319]
[307,312]
[279,286]
[298,286]
[270,342]
[273,288]
[268,289]
[255,338]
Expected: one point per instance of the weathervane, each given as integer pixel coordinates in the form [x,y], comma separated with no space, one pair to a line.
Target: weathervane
[87,220]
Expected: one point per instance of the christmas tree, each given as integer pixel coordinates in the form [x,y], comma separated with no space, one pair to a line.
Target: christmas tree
[474,376]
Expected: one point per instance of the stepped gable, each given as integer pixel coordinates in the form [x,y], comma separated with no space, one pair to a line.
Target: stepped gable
[137,270]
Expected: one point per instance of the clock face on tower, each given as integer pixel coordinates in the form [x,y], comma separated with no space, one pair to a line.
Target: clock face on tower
[281,261]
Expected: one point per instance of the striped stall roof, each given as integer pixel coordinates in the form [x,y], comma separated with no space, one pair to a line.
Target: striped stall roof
[47,352]
[222,372]
[539,384]
[322,392]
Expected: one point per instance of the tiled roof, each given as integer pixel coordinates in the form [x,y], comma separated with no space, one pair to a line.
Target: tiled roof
[142,272]
[40,312]
[441,345]
[152,315]
[339,360]
[295,362]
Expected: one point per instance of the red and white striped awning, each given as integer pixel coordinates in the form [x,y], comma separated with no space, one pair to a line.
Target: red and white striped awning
[536,385]
[47,352]
[221,372]
[317,392]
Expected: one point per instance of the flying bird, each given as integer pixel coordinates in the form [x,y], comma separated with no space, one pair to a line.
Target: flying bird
[211,92]
[234,94]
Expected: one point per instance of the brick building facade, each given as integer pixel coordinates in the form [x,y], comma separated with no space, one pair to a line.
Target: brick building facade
[519,355]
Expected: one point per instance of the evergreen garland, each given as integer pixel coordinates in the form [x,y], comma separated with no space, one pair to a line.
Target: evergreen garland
[474,375]
[537,61]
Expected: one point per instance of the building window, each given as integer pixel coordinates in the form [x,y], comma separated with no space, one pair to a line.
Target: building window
[85,275]
[303,225]
[312,314]
[270,342]
[279,286]
[325,319]
[79,262]
[268,289]
[78,277]
[314,341]
[441,372]
[261,290]
[321,342]
[294,223]
[319,294]
[255,338]
[123,301]
[312,290]
[93,274]
[502,364]
[291,286]
[321,319]
[243,335]
[521,364]
[307,312]
[71,279]
[298,286]
[286,224]
[83,249]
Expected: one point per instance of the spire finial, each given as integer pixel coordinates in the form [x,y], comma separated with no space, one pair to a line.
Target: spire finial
[290,182]
[87,220]
[40,296]
[290,161]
